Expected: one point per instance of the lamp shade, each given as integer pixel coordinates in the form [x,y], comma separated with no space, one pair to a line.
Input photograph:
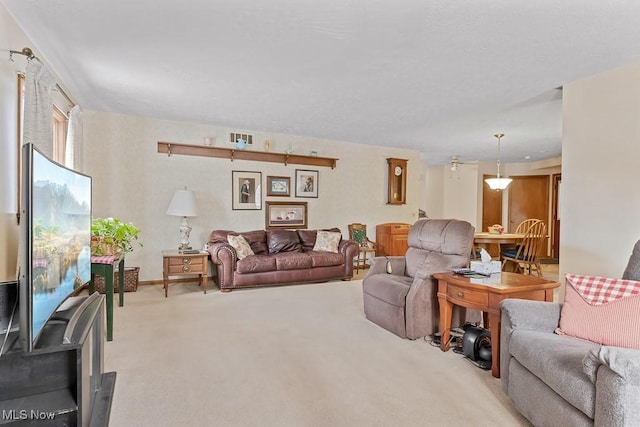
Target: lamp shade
[183,204]
[498,183]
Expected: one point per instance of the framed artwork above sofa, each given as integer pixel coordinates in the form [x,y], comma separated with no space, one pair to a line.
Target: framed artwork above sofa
[246,190]
[286,215]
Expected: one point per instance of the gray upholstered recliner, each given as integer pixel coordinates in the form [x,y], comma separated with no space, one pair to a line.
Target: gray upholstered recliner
[558,380]
[404,300]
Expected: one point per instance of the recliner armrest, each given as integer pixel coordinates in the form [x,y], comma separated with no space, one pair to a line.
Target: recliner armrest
[379,265]
[625,362]
[615,371]
[534,315]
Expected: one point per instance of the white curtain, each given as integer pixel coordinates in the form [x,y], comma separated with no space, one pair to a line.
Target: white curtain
[73,147]
[38,111]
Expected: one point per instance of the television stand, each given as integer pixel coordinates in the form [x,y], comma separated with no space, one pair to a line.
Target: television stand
[63,383]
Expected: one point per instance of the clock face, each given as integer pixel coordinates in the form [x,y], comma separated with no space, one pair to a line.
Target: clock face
[398,171]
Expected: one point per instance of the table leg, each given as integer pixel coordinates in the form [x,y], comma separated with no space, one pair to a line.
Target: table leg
[204,280]
[165,277]
[446,309]
[108,291]
[121,282]
[494,328]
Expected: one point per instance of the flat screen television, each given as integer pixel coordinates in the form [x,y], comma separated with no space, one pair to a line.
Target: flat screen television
[55,240]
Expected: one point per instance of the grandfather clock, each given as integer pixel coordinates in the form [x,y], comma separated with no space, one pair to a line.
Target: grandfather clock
[397,181]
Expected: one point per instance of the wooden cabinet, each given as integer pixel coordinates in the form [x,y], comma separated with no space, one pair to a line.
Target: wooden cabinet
[391,239]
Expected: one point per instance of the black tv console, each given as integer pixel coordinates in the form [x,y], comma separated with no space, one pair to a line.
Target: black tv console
[62,381]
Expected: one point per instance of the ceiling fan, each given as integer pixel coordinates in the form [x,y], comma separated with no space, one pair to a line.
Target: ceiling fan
[455,162]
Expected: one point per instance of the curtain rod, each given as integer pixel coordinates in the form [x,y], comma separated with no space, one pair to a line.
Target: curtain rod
[30,55]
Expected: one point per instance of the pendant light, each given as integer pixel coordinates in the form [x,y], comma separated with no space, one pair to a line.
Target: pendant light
[498,183]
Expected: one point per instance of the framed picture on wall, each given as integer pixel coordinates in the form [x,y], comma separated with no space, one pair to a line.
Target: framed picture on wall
[306,183]
[246,190]
[278,186]
[286,215]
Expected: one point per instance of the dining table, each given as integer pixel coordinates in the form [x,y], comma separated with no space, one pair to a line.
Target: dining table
[483,239]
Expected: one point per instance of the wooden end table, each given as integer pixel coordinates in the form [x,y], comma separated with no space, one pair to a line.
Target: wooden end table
[176,263]
[485,295]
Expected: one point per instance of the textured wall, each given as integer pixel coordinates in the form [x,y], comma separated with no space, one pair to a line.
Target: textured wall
[600,199]
[132,181]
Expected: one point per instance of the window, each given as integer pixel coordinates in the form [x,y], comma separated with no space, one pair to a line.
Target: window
[60,122]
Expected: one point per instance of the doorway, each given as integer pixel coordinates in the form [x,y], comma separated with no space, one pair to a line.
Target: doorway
[528,198]
[556,179]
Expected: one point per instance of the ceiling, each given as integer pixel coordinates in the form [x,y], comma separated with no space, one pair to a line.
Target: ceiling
[437,76]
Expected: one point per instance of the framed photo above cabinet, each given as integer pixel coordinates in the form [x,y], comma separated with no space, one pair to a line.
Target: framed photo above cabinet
[397,181]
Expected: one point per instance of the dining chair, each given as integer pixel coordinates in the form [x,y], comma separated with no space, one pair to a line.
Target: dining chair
[524,225]
[525,256]
[358,233]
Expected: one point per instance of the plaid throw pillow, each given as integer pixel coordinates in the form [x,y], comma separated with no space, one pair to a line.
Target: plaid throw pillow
[601,310]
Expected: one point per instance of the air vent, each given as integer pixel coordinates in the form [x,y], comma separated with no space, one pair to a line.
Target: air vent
[235,136]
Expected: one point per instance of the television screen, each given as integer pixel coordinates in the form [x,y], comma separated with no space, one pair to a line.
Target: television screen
[57,239]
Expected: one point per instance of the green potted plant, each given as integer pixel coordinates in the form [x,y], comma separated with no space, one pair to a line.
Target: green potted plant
[109,235]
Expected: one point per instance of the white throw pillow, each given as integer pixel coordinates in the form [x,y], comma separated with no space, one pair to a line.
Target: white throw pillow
[327,241]
[241,246]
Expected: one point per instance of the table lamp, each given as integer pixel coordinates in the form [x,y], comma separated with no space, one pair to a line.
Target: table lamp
[183,204]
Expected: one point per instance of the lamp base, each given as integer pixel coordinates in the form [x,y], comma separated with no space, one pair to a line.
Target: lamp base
[184,248]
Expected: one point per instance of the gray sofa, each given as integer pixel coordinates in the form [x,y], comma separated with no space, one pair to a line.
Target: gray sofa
[557,380]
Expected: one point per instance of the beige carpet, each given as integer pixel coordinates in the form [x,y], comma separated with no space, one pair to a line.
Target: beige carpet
[285,356]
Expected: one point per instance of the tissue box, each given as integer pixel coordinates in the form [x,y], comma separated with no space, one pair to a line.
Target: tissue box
[486,267]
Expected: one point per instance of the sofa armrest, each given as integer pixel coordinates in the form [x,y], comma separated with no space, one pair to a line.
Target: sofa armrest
[348,248]
[616,374]
[224,257]
[379,265]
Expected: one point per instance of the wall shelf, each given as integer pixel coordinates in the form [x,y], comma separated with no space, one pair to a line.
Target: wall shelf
[232,154]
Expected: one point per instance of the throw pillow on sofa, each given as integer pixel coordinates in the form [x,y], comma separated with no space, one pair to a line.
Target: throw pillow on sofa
[327,241]
[601,310]
[241,246]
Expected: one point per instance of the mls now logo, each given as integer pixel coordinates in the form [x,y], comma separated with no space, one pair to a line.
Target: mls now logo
[23,414]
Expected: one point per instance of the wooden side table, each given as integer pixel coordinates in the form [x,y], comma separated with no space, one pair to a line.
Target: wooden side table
[485,295]
[103,266]
[176,263]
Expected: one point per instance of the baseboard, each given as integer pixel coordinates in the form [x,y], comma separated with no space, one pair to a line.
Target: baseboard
[180,280]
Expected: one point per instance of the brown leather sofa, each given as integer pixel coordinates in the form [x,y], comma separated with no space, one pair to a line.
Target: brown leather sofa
[280,257]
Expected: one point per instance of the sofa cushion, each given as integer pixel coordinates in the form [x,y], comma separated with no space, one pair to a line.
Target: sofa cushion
[307,239]
[257,240]
[327,241]
[325,259]
[220,236]
[601,310]
[241,246]
[557,361]
[283,241]
[256,264]
[390,288]
[292,261]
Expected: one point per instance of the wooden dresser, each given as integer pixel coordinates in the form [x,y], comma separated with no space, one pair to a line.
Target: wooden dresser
[391,238]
